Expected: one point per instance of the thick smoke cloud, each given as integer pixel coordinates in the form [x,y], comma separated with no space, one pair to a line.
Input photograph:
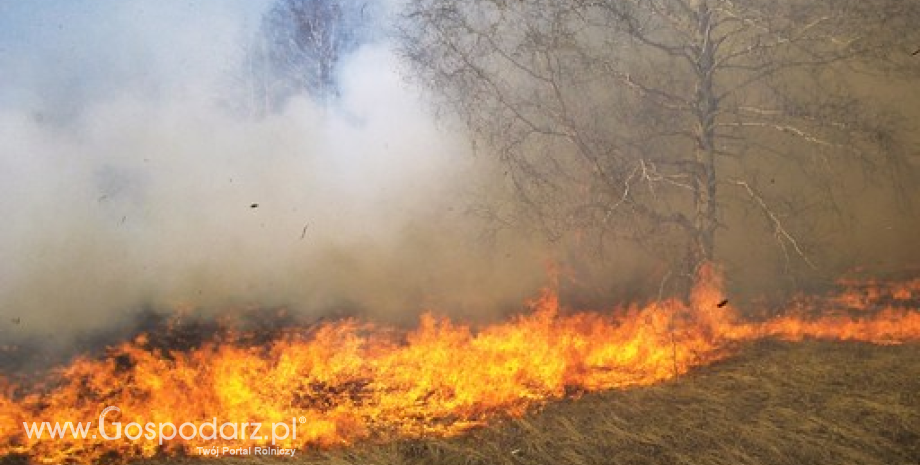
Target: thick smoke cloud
[125,181]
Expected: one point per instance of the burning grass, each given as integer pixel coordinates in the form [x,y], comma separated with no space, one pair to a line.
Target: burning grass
[774,403]
[351,383]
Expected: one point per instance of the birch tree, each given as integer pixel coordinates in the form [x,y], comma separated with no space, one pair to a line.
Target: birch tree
[299,48]
[659,121]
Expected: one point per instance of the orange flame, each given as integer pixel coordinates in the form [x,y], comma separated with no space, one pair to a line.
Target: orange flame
[350,381]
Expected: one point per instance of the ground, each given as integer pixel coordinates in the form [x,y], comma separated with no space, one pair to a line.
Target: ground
[774,403]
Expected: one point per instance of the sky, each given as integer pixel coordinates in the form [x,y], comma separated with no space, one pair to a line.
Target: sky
[75,52]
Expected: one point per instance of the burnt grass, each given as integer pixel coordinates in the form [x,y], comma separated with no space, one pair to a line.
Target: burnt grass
[774,403]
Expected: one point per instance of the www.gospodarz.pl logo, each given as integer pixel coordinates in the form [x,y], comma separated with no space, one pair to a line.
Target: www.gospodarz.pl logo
[166,431]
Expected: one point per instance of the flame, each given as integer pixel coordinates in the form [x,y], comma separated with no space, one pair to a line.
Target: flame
[348,381]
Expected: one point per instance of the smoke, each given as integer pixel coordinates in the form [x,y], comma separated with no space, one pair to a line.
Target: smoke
[125,183]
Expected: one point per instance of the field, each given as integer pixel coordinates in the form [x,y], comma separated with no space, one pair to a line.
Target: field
[775,403]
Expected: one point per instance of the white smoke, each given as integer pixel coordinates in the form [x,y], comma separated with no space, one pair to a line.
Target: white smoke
[125,182]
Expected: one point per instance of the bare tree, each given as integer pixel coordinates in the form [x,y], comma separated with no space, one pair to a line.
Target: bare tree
[658,121]
[299,48]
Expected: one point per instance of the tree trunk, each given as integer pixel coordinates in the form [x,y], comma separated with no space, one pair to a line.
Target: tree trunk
[705,219]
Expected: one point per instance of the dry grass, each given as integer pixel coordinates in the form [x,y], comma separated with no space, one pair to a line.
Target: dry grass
[777,403]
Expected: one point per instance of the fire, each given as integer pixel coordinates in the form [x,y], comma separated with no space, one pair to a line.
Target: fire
[350,381]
